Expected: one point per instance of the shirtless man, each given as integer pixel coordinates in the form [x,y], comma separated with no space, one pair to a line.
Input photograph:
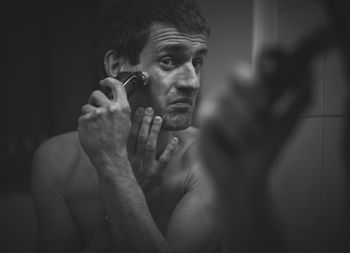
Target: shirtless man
[129,179]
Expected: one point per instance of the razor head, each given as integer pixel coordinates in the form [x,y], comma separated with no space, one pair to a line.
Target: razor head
[131,82]
[135,78]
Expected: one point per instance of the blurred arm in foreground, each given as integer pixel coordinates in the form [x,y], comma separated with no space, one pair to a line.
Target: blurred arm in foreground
[253,119]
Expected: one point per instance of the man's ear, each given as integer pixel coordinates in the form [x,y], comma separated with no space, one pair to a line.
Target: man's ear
[113,63]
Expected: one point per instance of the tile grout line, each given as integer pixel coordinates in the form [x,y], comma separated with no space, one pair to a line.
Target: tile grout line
[320,116]
[303,230]
[322,141]
[297,5]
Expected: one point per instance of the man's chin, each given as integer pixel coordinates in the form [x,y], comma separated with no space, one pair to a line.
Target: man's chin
[176,122]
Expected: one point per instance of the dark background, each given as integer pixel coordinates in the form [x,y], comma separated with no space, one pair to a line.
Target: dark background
[49,69]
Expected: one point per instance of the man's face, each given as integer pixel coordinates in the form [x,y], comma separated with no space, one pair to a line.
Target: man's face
[173,60]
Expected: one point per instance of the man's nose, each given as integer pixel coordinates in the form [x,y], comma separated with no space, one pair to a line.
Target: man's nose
[188,79]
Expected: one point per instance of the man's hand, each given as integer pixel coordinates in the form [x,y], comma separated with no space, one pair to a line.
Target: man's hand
[143,146]
[105,125]
[259,112]
[252,120]
[104,130]
[241,140]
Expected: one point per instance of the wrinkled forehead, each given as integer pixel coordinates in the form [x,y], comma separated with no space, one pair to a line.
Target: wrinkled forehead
[162,36]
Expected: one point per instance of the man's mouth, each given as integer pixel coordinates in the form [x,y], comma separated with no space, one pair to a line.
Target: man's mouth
[182,104]
[183,101]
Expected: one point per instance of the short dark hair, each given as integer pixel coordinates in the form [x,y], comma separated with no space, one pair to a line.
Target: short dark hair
[124,25]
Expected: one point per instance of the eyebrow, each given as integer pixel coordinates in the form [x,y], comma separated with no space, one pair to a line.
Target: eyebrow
[180,47]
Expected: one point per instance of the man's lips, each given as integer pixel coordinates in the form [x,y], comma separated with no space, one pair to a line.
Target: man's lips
[183,101]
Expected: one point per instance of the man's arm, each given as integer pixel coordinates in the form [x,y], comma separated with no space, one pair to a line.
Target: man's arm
[265,107]
[193,225]
[104,130]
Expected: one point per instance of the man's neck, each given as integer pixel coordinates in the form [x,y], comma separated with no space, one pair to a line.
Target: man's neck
[163,140]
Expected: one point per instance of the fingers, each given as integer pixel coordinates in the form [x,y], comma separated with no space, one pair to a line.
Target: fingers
[269,72]
[138,137]
[136,123]
[150,147]
[155,174]
[268,62]
[258,110]
[166,155]
[248,98]
[90,112]
[87,109]
[98,99]
[143,142]
[144,131]
[275,85]
[110,83]
[117,89]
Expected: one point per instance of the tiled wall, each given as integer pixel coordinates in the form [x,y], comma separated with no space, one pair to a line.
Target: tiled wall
[309,182]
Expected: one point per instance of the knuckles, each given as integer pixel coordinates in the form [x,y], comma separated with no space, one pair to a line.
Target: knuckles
[150,147]
[110,82]
[114,112]
[96,94]
[142,139]
[119,109]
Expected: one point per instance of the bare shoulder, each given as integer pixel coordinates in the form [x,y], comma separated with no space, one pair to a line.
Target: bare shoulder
[198,210]
[55,159]
[59,150]
[191,160]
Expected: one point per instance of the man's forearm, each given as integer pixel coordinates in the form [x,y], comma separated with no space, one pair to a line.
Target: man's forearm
[132,226]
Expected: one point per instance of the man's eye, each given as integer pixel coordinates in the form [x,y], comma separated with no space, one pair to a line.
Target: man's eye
[168,62]
[197,63]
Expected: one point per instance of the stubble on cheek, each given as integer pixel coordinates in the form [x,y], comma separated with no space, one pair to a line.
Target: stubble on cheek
[162,97]
[174,121]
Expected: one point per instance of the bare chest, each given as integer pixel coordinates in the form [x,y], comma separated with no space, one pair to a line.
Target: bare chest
[88,207]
